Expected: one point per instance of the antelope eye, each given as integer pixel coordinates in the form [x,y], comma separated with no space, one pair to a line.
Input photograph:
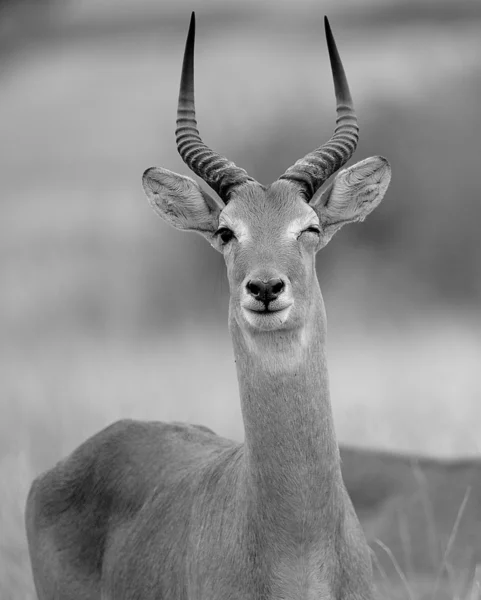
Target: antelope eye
[225,234]
[312,229]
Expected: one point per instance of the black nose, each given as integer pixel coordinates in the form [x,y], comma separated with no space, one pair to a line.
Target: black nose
[265,291]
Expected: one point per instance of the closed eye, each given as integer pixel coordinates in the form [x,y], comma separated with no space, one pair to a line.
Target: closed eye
[311,229]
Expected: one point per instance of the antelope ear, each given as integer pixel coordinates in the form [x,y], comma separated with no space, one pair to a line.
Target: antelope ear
[181,201]
[353,194]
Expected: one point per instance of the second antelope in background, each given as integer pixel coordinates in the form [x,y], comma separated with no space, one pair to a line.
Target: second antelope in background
[172,511]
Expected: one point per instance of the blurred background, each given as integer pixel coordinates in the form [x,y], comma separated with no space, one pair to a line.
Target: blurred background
[106,312]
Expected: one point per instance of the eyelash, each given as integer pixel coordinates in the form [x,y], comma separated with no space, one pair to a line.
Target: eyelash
[312,229]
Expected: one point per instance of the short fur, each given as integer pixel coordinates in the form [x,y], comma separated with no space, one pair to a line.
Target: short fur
[173,511]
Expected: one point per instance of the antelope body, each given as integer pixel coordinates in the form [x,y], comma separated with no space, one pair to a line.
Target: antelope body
[173,511]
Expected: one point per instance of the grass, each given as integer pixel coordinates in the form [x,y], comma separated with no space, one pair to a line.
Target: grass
[53,398]
[435,587]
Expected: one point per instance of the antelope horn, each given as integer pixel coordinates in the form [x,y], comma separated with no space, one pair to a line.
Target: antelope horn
[217,171]
[317,166]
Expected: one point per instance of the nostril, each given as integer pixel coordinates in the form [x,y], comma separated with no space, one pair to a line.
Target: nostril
[254,288]
[265,291]
[277,287]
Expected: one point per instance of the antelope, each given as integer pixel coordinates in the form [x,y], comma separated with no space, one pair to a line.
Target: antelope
[154,510]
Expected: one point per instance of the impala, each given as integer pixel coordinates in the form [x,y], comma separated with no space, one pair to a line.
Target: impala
[173,511]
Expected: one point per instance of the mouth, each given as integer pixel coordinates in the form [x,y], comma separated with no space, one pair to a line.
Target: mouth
[266,318]
[267,311]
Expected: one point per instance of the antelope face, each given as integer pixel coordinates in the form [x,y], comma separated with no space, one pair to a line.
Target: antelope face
[268,236]
[269,239]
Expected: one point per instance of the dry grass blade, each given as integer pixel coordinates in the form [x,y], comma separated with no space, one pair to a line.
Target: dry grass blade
[452,537]
[434,545]
[476,586]
[405,538]
[399,571]
[378,565]
[454,578]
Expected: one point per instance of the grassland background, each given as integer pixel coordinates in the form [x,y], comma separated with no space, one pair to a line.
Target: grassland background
[105,312]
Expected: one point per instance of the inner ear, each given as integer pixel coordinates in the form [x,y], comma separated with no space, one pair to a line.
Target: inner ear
[354,193]
[181,201]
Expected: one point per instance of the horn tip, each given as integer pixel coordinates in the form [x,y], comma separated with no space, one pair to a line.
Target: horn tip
[328,31]
[191,33]
[192,21]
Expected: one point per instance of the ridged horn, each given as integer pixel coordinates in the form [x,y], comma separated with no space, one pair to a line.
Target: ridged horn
[216,170]
[317,166]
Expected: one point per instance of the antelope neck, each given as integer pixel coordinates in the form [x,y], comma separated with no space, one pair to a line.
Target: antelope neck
[290,450]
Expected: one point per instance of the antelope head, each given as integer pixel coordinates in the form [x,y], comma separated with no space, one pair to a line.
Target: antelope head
[269,235]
